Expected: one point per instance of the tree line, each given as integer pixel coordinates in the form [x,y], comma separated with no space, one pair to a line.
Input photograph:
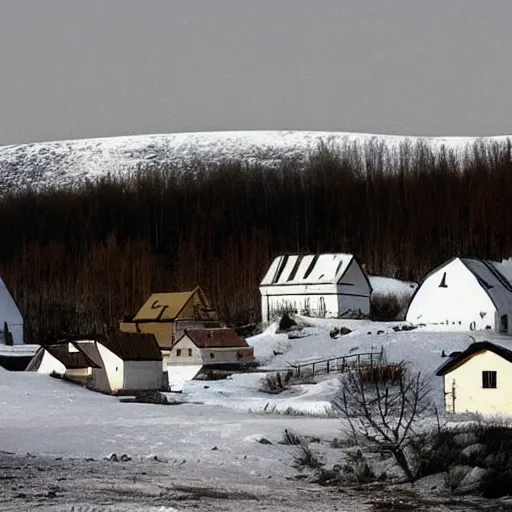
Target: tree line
[78,259]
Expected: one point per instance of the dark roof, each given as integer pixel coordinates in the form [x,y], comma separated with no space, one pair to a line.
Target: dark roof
[71,360]
[215,338]
[458,358]
[132,346]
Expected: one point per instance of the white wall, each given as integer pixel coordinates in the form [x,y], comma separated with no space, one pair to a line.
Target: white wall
[300,298]
[184,345]
[225,355]
[111,376]
[50,364]
[10,313]
[461,305]
[143,375]
[470,395]
[354,290]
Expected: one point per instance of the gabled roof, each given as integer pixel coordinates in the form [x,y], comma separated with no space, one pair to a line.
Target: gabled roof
[307,269]
[132,346]
[167,306]
[73,359]
[461,357]
[215,338]
[488,275]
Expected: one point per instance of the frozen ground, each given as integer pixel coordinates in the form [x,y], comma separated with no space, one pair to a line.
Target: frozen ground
[211,457]
[67,163]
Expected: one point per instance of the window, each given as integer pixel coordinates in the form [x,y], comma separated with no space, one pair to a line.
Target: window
[212,355]
[189,352]
[443,282]
[178,352]
[489,380]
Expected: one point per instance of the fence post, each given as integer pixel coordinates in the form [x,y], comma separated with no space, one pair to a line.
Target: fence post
[313,369]
[327,366]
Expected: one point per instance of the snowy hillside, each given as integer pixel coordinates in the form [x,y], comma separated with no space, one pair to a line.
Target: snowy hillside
[66,163]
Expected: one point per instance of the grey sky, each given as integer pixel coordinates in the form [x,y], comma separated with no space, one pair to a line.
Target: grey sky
[91,68]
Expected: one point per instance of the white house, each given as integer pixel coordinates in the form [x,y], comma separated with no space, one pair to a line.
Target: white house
[323,285]
[210,347]
[11,321]
[478,380]
[464,294]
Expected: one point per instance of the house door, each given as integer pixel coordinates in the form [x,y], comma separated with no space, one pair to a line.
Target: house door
[504,324]
[322,309]
[449,398]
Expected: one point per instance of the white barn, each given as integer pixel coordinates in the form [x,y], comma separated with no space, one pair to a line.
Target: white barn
[322,285]
[464,294]
[11,321]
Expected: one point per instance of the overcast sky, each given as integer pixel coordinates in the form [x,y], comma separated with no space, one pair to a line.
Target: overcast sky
[91,68]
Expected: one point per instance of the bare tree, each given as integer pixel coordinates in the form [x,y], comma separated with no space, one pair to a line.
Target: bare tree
[384,409]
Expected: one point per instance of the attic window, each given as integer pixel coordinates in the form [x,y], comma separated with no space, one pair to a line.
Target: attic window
[189,352]
[311,266]
[178,352]
[293,273]
[489,380]
[443,282]
[280,269]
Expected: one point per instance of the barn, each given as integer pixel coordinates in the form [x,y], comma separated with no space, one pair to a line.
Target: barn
[464,294]
[11,321]
[321,285]
[478,380]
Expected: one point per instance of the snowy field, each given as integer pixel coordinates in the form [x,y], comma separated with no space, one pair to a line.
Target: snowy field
[212,442]
[67,163]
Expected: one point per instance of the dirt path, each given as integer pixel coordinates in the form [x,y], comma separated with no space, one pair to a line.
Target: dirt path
[73,485]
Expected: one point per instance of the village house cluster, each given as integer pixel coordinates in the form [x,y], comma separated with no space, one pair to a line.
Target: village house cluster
[178,336]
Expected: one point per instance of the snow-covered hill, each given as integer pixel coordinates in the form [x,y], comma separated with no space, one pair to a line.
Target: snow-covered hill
[71,162]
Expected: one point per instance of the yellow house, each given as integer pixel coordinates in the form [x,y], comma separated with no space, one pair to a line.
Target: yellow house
[167,315]
[478,380]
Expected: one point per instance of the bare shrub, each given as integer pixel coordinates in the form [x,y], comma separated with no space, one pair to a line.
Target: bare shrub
[383,373]
[385,308]
[384,413]
[274,383]
[291,438]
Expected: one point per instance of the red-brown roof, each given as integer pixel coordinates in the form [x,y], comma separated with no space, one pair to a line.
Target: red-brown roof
[215,338]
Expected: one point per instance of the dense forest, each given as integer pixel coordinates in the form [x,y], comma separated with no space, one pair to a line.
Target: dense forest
[79,259]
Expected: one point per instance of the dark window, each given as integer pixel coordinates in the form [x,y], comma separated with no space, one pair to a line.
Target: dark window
[311,266]
[178,352]
[504,324]
[443,282]
[189,352]
[489,380]
[293,273]
[212,355]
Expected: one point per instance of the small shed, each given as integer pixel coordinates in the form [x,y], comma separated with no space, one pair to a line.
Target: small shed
[321,285]
[130,362]
[11,321]
[464,294]
[478,380]
[210,347]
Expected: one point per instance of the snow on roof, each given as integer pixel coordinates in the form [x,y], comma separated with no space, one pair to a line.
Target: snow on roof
[307,269]
[491,280]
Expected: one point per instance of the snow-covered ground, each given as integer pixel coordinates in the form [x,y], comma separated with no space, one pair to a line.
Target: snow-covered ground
[211,442]
[67,163]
